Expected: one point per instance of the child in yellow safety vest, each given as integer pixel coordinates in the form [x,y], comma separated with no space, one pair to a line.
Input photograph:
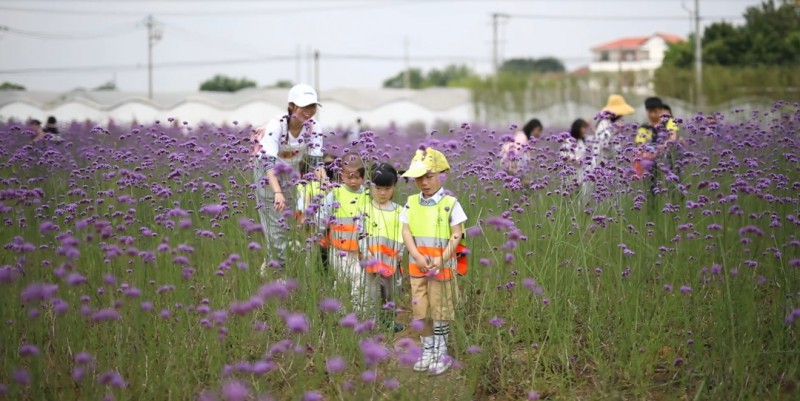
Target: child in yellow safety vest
[652,136]
[382,246]
[342,214]
[432,230]
[311,188]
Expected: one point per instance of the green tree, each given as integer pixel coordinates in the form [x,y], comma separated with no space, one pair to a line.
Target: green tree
[531,65]
[108,86]
[770,37]
[452,75]
[10,86]
[282,84]
[415,78]
[222,83]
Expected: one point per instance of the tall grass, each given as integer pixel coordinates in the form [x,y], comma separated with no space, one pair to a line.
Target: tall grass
[688,294]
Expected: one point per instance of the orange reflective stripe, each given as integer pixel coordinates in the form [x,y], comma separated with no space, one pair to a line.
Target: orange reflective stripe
[345,228]
[381,268]
[349,245]
[383,249]
[430,251]
[443,274]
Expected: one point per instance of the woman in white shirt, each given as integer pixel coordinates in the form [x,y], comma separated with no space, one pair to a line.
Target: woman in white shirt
[603,144]
[279,147]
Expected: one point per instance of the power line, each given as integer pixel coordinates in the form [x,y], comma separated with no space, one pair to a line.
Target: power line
[135,67]
[285,11]
[68,36]
[227,12]
[356,1]
[615,18]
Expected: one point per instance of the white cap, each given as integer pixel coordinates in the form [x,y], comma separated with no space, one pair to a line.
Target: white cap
[303,95]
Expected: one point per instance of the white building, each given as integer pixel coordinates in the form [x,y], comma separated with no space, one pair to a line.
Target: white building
[634,60]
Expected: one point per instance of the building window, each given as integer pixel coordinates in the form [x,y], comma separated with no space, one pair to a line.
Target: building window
[604,56]
[629,55]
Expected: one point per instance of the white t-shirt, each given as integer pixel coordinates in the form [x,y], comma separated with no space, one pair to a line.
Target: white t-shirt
[278,142]
[457,215]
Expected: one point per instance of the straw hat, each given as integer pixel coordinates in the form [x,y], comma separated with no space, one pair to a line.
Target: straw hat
[617,105]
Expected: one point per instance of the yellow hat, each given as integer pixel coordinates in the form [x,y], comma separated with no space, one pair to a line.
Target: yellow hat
[617,105]
[427,160]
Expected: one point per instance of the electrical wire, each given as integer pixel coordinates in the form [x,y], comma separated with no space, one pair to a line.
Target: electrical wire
[135,67]
[615,18]
[68,36]
[227,12]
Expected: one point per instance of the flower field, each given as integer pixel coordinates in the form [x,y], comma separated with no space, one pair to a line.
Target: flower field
[131,255]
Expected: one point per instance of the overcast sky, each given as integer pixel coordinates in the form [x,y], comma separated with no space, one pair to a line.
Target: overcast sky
[361,43]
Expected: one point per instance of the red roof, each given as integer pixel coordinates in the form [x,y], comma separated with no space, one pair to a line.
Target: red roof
[636,42]
[581,71]
[670,38]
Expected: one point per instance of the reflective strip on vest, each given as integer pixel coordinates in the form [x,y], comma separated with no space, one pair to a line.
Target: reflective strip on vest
[430,227]
[344,227]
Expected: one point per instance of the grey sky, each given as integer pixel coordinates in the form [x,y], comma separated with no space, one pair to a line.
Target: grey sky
[111,33]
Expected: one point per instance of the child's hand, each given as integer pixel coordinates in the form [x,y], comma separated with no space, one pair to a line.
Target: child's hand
[436,263]
[422,262]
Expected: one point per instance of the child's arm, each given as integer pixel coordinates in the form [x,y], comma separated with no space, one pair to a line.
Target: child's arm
[450,248]
[413,252]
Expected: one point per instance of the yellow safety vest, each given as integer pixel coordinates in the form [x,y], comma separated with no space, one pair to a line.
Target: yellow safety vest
[430,227]
[645,133]
[344,227]
[384,240]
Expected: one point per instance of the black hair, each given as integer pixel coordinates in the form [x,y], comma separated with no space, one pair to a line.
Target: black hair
[51,120]
[329,166]
[575,130]
[383,175]
[530,126]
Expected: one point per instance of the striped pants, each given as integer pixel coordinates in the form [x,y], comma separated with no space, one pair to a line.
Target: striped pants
[275,225]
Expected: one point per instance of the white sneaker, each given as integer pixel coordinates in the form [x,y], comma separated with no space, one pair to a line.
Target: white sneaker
[442,363]
[424,361]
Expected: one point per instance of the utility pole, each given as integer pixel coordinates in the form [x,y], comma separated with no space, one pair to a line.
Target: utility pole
[495,40]
[698,56]
[407,71]
[316,71]
[154,34]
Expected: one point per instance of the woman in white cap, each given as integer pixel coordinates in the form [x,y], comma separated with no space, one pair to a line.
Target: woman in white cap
[283,142]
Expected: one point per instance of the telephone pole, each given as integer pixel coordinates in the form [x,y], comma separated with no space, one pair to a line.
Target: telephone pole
[495,40]
[698,55]
[154,34]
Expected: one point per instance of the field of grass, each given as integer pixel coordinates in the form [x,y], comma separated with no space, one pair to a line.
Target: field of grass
[130,259]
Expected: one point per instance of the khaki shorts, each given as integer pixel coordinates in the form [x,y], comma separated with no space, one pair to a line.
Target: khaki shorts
[433,299]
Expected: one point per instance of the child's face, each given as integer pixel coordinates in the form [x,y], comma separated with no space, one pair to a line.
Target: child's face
[654,115]
[382,194]
[352,178]
[429,183]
